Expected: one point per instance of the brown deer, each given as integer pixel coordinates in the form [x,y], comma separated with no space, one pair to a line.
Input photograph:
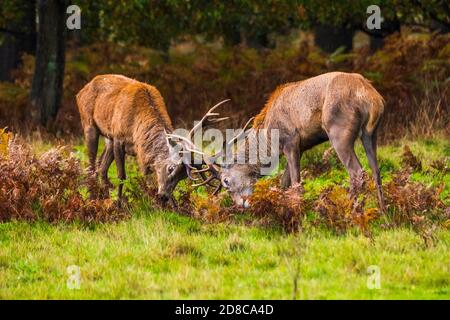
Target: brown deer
[334,106]
[133,118]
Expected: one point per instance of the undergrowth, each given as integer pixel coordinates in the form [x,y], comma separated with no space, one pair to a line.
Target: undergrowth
[49,187]
[53,187]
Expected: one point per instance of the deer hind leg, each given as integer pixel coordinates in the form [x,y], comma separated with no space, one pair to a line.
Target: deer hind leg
[105,161]
[370,146]
[100,159]
[119,156]
[343,141]
[102,156]
[91,134]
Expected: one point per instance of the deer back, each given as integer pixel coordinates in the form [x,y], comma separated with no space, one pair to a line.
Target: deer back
[304,109]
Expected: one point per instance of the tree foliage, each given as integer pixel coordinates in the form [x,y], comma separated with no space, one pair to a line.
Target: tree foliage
[151,23]
[245,20]
[157,23]
[341,13]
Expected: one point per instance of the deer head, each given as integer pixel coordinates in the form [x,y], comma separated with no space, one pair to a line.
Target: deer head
[169,172]
[237,179]
[182,148]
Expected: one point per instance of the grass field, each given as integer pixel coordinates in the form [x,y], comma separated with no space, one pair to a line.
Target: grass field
[164,255]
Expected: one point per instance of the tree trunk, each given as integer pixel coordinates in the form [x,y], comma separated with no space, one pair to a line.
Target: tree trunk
[330,38]
[18,37]
[377,37]
[231,36]
[376,43]
[46,91]
[256,41]
[8,56]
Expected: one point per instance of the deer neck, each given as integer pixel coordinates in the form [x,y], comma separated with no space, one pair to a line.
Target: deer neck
[249,147]
[151,145]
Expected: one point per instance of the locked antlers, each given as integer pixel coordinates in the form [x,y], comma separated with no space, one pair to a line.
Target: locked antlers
[208,165]
[190,147]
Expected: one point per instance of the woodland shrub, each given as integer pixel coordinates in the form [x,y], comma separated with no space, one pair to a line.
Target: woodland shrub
[411,71]
[49,187]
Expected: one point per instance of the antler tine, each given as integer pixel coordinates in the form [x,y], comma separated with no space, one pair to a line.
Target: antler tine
[248,122]
[191,166]
[187,140]
[189,147]
[217,105]
[176,136]
[189,150]
[188,172]
[202,170]
[218,120]
[244,130]
[202,175]
[217,189]
[205,181]
[191,169]
[209,114]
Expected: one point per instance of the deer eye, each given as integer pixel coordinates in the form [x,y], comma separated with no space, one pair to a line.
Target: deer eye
[170,169]
[226,182]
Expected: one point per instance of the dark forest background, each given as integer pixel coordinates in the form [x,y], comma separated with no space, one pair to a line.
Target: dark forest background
[199,52]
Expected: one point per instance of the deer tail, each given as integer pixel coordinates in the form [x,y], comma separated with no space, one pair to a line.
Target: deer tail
[376,109]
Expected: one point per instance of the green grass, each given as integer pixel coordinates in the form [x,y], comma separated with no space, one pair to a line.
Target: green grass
[163,255]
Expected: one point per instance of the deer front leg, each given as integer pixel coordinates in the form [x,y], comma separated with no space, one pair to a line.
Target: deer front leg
[292,154]
[106,159]
[119,156]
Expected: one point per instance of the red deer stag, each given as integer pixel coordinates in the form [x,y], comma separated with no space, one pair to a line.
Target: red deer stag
[133,118]
[335,106]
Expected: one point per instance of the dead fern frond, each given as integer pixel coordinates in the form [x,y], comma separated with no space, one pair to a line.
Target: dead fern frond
[410,160]
[406,198]
[4,142]
[272,204]
[48,188]
[340,210]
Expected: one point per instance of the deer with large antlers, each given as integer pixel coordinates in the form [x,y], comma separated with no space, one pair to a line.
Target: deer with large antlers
[133,118]
[335,106]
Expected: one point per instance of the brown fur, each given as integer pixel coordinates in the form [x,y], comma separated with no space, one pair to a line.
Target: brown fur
[376,101]
[259,119]
[130,113]
[128,110]
[337,106]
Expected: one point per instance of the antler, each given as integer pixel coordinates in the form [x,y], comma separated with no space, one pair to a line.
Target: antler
[208,180]
[210,164]
[243,132]
[209,161]
[209,114]
[190,147]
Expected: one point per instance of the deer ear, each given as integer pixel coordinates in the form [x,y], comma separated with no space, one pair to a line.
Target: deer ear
[173,144]
[175,151]
[174,147]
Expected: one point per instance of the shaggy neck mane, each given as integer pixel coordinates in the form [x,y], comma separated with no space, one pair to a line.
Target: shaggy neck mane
[259,121]
[253,139]
[259,124]
[150,138]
